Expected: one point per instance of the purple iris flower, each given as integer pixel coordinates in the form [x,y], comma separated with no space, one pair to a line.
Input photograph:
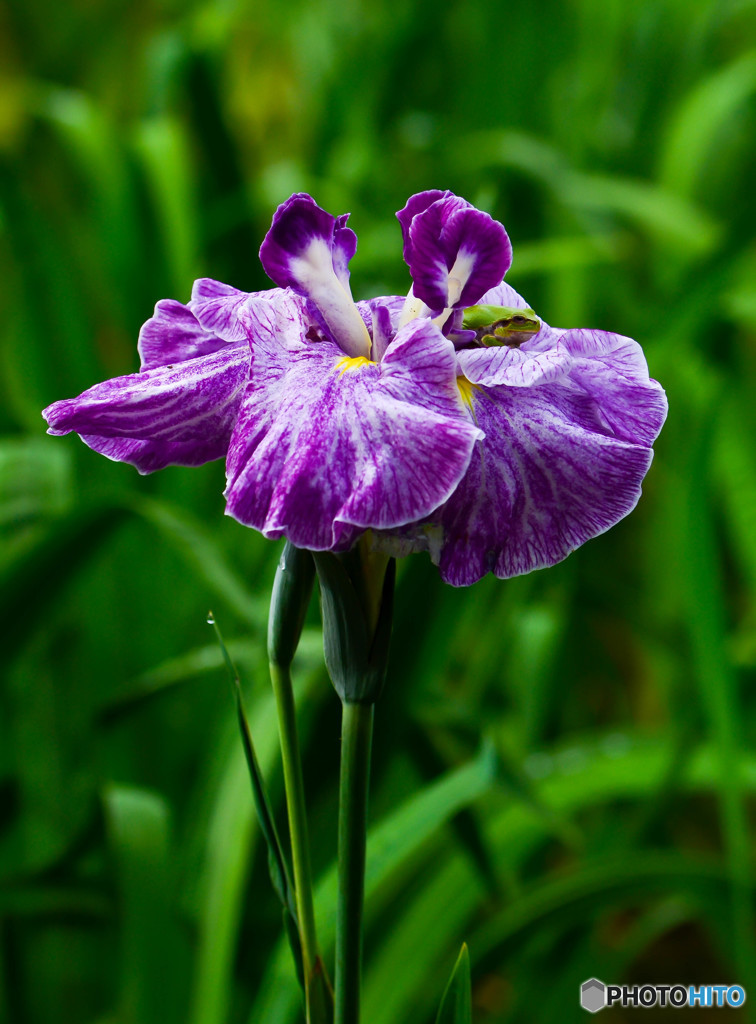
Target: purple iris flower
[338,417]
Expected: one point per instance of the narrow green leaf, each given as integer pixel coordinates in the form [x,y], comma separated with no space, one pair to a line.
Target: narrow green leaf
[162,146]
[392,845]
[280,874]
[456,1005]
[706,621]
[229,837]
[278,867]
[321,995]
[138,827]
[664,216]
[699,121]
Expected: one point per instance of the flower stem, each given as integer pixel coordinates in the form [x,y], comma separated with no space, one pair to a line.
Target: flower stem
[356,742]
[295,803]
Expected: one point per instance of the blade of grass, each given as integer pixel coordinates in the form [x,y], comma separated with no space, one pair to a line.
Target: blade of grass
[138,828]
[391,845]
[698,122]
[456,1005]
[278,866]
[718,687]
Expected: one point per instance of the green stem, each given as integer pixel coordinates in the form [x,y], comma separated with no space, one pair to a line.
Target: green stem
[356,742]
[295,802]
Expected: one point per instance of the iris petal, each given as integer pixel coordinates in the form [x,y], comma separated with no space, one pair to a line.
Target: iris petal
[569,429]
[174,334]
[322,451]
[179,414]
[308,250]
[455,253]
[546,479]
[220,309]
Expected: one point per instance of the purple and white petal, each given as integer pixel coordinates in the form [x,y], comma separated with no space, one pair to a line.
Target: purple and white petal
[393,303]
[206,289]
[418,203]
[149,456]
[308,250]
[482,254]
[609,368]
[185,412]
[548,477]
[503,294]
[382,332]
[536,361]
[613,371]
[220,309]
[326,447]
[172,335]
[455,253]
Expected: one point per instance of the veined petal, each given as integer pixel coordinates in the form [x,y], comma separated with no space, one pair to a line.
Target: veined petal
[172,335]
[608,368]
[326,447]
[149,456]
[612,369]
[308,250]
[393,303]
[482,254]
[517,367]
[183,413]
[503,294]
[382,331]
[547,478]
[176,332]
[455,253]
[418,203]
[220,309]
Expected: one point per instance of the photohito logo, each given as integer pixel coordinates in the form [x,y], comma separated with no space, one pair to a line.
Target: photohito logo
[595,995]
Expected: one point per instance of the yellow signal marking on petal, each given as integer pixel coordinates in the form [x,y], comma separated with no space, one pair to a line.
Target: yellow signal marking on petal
[467,390]
[353,363]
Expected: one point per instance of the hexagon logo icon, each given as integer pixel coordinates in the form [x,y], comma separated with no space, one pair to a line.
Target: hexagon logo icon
[593,995]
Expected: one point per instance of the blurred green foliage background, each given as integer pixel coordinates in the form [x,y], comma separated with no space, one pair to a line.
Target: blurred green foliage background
[145,144]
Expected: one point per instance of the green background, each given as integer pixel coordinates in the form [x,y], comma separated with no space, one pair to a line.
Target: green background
[145,144]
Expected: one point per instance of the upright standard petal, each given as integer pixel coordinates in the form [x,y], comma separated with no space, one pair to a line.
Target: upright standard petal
[455,253]
[568,442]
[180,414]
[326,446]
[418,203]
[308,250]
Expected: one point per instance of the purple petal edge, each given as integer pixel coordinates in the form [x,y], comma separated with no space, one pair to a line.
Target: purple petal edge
[455,253]
[181,414]
[323,451]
